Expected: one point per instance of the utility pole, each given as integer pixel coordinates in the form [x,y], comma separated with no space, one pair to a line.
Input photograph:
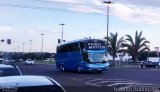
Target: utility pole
[42,43]
[42,46]
[62,31]
[148,53]
[107,2]
[157,49]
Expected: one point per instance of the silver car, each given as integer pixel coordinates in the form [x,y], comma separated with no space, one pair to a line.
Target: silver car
[9,70]
[29,83]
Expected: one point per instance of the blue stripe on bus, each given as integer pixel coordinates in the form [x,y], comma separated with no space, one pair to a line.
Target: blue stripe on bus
[96,50]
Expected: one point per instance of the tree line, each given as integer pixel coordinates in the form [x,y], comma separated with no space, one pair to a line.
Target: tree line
[25,56]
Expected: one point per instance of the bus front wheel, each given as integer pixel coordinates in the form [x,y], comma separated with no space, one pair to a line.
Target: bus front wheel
[79,69]
[62,68]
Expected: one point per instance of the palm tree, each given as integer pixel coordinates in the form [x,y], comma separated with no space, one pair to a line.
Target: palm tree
[114,45]
[135,47]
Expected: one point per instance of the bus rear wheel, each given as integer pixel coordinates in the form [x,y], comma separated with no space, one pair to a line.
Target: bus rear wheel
[99,71]
[62,68]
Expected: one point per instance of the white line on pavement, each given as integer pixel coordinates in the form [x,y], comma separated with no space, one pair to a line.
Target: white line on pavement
[111,81]
[114,84]
[95,80]
[93,84]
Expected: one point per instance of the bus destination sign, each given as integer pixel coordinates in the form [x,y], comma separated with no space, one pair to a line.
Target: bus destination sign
[98,45]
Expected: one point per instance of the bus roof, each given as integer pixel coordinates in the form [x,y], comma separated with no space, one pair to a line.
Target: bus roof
[79,40]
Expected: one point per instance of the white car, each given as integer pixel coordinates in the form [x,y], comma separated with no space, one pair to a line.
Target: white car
[29,83]
[29,62]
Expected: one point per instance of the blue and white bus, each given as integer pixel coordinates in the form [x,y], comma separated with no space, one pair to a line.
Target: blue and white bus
[82,55]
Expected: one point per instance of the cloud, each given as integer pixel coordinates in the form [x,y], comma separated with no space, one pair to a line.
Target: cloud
[62,1]
[135,14]
[131,10]
[86,9]
[5,28]
[42,30]
[140,3]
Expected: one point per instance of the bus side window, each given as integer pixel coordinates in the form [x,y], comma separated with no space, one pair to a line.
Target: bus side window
[82,46]
[76,46]
[68,48]
[62,48]
[58,49]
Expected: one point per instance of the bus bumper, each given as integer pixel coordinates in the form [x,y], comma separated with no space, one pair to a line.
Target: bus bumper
[98,69]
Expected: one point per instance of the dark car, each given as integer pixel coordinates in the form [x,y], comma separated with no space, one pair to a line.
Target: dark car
[150,64]
[2,61]
[9,70]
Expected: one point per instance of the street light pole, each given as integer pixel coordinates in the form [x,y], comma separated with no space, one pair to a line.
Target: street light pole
[23,47]
[148,53]
[62,30]
[14,50]
[18,49]
[107,2]
[30,45]
[42,43]
[42,46]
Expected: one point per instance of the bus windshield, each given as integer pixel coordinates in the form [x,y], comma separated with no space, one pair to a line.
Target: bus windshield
[97,56]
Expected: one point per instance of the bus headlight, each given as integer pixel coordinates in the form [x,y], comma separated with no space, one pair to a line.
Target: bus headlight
[107,64]
[90,66]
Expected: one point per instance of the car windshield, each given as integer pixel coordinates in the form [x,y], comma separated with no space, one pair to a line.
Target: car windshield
[9,72]
[97,56]
[146,62]
[46,88]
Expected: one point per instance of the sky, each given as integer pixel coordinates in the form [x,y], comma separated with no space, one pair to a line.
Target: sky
[25,20]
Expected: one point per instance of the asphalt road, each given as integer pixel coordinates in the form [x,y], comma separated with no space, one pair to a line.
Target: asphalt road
[119,79]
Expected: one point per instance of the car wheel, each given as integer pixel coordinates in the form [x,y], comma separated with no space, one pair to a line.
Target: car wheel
[99,71]
[62,68]
[143,66]
[79,69]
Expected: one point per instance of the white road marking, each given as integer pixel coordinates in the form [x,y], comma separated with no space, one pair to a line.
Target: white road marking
[95,80]
[106,80]
[74,78]
[86,79]
[145,84]
[111,81]
[93,84]
[115,79]
[114,84]
[79,80]
[126,87]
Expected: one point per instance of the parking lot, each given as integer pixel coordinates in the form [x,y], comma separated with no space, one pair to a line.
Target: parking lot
[115,79]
